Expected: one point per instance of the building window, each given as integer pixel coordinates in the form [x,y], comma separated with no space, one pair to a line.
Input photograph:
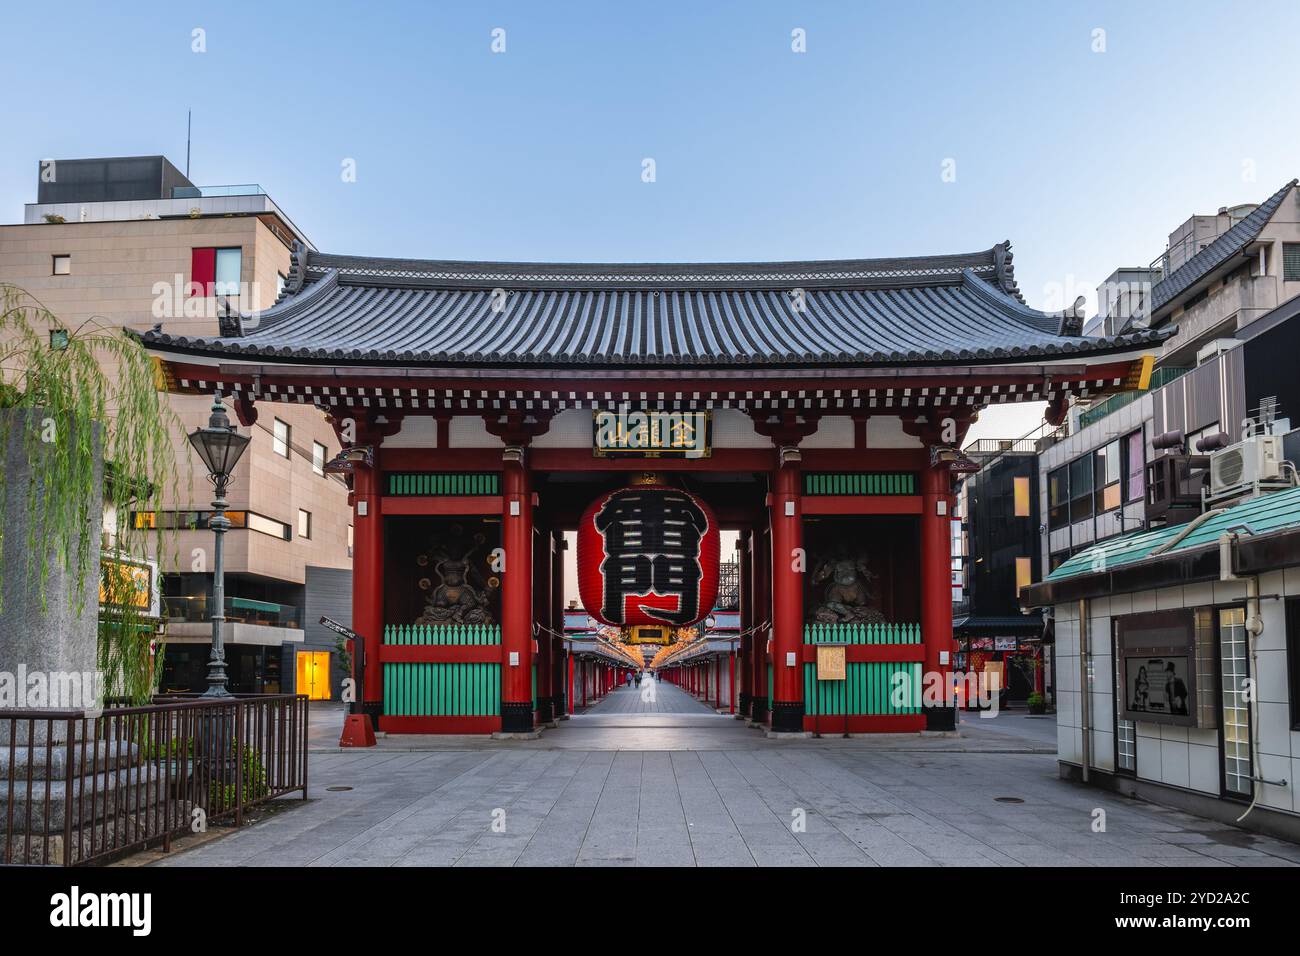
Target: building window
[1125,730]
[1081,488]
[1020,493]
[1024,574]
[1291,261]
[318,458]
[216,271]
[61,266]
[349,541]
[200,520]
[1058,498]
[1135,467]
[1234,670]
[280,439]
[1106,477]
[304,524]
[1293,657]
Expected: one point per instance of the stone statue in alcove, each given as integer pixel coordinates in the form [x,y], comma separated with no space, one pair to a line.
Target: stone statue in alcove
[847,598]
[454,600]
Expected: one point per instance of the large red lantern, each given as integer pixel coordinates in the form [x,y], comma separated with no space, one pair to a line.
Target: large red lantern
[648,555]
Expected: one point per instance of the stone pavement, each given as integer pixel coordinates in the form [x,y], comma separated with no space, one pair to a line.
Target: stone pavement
[681,786]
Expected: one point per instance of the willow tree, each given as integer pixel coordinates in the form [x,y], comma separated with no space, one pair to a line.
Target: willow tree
[74,395]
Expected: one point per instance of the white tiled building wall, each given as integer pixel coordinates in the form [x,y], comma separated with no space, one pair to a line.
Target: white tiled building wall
[1180,756]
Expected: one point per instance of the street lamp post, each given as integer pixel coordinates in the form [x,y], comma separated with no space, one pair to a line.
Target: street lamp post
[220,446]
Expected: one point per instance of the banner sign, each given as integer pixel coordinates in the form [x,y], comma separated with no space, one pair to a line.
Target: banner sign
[651,433]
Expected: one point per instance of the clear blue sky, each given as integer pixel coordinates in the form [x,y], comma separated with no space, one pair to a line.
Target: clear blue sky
[1085,160]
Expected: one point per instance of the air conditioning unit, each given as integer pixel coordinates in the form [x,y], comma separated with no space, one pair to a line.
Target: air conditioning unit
[1214,348]
[1245,464]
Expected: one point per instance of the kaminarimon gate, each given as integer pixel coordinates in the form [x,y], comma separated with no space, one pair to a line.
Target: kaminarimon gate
[816,408]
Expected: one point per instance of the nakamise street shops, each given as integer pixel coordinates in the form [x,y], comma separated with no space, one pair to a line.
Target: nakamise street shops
[816,408]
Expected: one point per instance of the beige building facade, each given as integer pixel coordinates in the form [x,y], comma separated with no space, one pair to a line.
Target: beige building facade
[86,262]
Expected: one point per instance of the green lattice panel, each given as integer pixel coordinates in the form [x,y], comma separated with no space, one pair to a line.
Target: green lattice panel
[891,633]
[860,483]
[442,690]
[442,483]
[868,688]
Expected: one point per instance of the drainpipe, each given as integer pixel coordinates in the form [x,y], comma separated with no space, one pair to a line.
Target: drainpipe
[1085,692]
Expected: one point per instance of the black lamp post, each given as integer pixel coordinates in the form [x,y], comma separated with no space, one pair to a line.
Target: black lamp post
[220,446]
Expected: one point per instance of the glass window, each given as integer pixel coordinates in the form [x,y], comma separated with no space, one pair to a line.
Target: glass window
[1058,498]
[318,458]
[1081,488]
[1125,730]
[1134,454]
[229,262]
[304,524]
[1106,474]
[62,265]
[1020,492]
[280,438]
[276,529]
[1024,574]
[1234,670]
[1291,261]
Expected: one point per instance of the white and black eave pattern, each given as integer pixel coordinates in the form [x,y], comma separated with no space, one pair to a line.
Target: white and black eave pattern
[826,401]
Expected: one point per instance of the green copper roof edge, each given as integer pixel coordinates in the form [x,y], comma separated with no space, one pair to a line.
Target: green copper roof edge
[1121,551]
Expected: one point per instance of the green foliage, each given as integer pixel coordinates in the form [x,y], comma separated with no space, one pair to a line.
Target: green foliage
[256,784]
[99,389]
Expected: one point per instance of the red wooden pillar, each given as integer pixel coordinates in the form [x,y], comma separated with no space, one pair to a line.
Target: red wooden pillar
[787,600]
[517,599]
[731,682]
[542,592]
[936,585]
[747,619]
[368,579]
[762,566]
[584,683]
[561,702]
[568,701]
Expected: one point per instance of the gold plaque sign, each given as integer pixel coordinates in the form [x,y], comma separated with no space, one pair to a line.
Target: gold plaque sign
[651,433]
[830,662]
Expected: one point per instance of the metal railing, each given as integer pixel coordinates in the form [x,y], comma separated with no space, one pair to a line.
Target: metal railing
[239,610]
[1159,378]
[78,788]
[217,192]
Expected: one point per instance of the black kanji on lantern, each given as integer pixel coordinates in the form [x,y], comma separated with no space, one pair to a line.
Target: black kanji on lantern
[652,549]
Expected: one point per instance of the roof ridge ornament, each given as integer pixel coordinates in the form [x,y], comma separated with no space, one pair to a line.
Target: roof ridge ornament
[1005,271]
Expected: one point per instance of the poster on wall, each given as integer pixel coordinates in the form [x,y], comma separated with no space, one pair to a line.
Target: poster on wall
[1158,653]
[1157,686]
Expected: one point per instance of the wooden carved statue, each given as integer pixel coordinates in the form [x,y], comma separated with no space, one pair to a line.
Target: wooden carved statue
[847,597]
[454,600]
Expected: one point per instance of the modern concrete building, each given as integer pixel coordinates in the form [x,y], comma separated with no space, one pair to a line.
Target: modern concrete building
[996,555]
[1177,653]
[131,242]
[1219,277]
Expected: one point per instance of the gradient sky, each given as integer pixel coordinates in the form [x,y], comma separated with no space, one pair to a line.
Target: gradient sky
[1085,160]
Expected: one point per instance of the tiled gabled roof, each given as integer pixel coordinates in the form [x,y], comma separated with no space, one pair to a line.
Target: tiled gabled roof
[1228,245]
[933,309]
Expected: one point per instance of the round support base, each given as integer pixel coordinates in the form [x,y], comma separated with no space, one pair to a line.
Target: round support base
[517,718]
[787,717]
[940,718]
